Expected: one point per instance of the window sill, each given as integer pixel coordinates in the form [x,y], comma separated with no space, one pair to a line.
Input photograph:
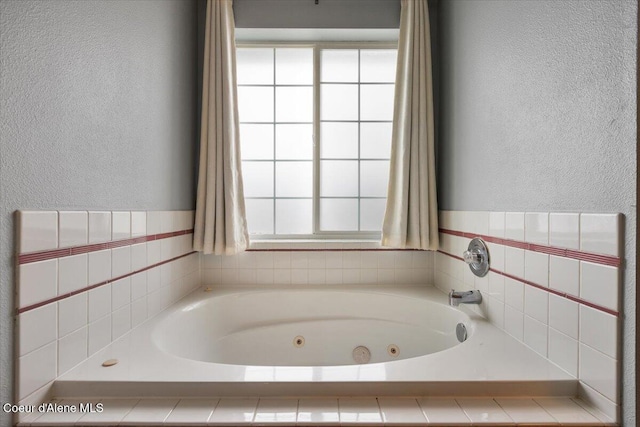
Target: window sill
[317,245]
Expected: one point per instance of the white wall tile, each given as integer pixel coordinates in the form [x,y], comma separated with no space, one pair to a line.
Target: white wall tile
[536,228]
[120,293]
[73,228]
[477,222]
[564,230]
[99,227]
[120,261]
[599,284]
[99,302]
[154,222]
[154,252]
[114,411]
[599,330]
[514,293]
[264,276]
[564,275]
[333,276]
[536,268]
[403,259]
[99,334]
[72,349]
[36,369]
[563,351]
[496,286]
[351,259]
[535,335]
[153,279]
[514,261]
[599,233]
[138,256]
[496,224]
[317,276]
[599,371]
[37,231]
[369,259]
[120,322]
[246,276]
[514,322]
[563,315]
[496,256]
[138,285]
[495,312]
[138,223]
[72,313]
[282,260]
[536,304]
[99,266]
[514,226]
[120,225]
[138,311]
[264,260]
[37,281]
[167,221]
[282,276]
[37,327]
[72,273]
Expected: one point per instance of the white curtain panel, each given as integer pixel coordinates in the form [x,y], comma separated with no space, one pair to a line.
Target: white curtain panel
[411,215]
[220,223]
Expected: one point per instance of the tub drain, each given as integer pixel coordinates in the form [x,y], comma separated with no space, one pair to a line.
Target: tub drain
[361,354]
[298,341]
[393,350]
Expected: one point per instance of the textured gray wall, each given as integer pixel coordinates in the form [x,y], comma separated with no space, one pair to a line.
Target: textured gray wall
[326,14]
[538,113]
[97,112]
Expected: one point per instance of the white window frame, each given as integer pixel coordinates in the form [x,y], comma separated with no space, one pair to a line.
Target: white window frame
[317,234]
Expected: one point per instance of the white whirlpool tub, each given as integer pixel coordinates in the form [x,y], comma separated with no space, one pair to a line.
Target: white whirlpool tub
[301,341]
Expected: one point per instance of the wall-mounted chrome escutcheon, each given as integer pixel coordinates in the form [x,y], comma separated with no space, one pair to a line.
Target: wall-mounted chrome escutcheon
[477,256]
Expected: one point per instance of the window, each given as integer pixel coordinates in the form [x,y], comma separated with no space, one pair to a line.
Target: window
[341,98]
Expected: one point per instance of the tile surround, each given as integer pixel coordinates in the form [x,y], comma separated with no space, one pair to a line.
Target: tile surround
[561,289]
[77,291]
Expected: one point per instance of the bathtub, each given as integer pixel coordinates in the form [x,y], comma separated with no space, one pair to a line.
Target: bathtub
[300,341]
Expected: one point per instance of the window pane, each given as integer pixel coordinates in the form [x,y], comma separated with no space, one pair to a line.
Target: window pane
[372,214]
[375,140]
[256,142]
[378,65]
[374,178]
[255,104]
[339,214]
[338,178]
[294,179]
[376,102]
[294,216]
[259,216]
[254,66]
[294,142]
[294,104]
[339,102]
[339,140]
[257,179]
[294,66]
[339,65]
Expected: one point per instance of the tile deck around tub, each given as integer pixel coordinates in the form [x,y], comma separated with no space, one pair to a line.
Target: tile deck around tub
[385,411]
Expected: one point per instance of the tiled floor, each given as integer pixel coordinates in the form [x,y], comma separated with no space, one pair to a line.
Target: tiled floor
[348,411]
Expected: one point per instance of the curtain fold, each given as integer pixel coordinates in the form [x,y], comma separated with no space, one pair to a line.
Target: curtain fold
[220,222]
[411,215]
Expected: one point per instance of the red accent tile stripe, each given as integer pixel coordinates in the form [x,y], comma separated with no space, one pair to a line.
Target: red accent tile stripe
[30,257]
[96,285]
[610,260]
[544,288]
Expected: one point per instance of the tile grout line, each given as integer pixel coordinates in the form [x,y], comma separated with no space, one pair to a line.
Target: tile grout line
[97,285]
[544,288]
